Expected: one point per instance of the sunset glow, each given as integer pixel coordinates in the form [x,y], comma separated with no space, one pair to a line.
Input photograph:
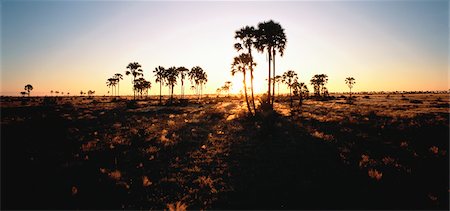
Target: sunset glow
[71,46]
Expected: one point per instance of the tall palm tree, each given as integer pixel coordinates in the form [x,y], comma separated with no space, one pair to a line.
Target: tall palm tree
[288,78]
[182,71]
[247,35]
[171,80]
[135,70]
[270,37]
[350,81]
[28,89]
[118,77]
[159,74]
[240,64]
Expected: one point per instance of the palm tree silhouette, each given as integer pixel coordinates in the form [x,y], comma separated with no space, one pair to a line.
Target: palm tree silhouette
[240,64]
[135,71]
[270,37]
[247,36]
[300,89]
[171,80]
[51,92]
[160,77]
[350,81]
[182,71]
[288,78]
[118,77]
[198,77]
[319,81]
[278,80]
[227,87]
[111,83]
[28,89]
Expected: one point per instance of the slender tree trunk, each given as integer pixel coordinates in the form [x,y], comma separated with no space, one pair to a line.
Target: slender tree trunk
[350,93]
[278,90]
[268,79]
[118,89]
[246,98]
[181,90]
[273,76]
[251,78]
[290,95]
[160,95]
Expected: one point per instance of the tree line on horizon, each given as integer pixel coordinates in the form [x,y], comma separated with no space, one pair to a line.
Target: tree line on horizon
[164,76]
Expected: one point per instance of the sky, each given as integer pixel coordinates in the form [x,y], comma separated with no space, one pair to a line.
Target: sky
[77,45]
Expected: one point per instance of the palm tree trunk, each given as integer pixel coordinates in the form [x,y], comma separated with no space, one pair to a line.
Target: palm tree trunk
[290,95]
[273,76]
[160,96]
[350,93]
[118,89]
[251,79]
[246,98]
[268,79]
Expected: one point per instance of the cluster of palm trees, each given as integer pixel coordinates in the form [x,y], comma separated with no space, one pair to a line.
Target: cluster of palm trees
[225,88]
[268,37]
[113,82]
[318,81]
[27,89]
[168,77]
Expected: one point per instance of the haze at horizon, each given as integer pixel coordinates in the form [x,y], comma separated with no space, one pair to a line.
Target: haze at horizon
[73,46]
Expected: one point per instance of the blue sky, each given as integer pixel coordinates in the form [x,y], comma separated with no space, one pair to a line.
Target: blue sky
[71,45]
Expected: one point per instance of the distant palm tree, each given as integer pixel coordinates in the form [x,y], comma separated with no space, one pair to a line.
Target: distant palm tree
[270,37]
[350,81]
[247,36]
[141,85]
[300,90]
[28,89]
[171,80]
[198,77]
[227,87]
[288,78]
[319,81]
[118,77]
[160,73]
[111,83]
[183,72]
[23,94]
[51,92]
[240,64]
[278,80]
[134,71]
[81,93]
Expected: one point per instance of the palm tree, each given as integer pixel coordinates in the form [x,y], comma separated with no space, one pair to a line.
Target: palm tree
[319,81]
[227,87]
[182,71]
[270,37]
[350,81]
[141,85]
[171,80]
[197,77]
[135,71]
[51,92]
[118,77]
[288,78]
[300,89]
[28,89]
[159,74]
[110,82]
[240,64]
[278,80]
[247,36]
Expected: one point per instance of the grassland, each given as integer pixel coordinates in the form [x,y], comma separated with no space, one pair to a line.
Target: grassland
[377,152]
